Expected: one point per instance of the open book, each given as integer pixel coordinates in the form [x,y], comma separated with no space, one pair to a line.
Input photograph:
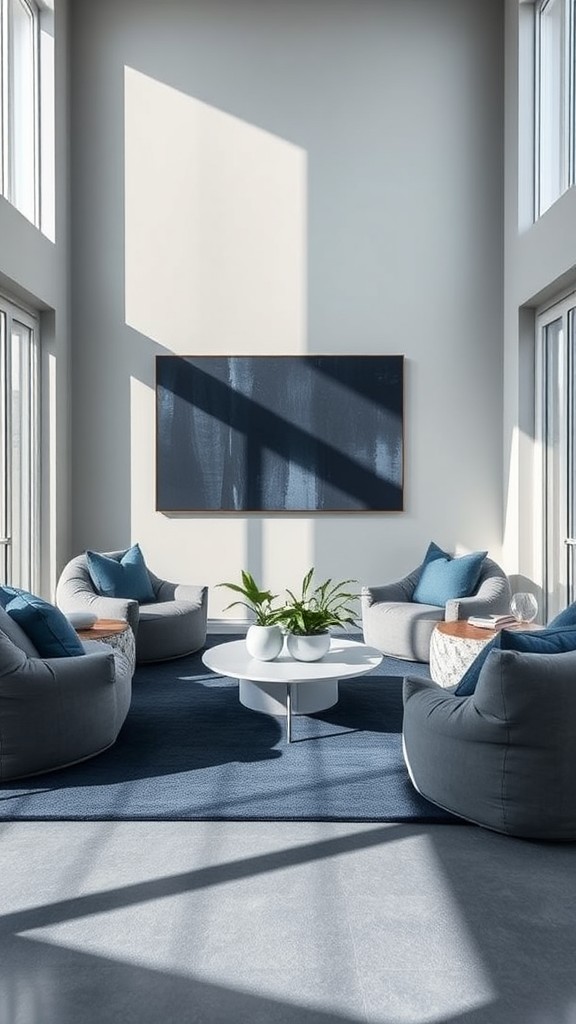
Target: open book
[491,621]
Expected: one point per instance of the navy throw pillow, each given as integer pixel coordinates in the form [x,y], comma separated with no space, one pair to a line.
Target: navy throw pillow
[43,623]
[125,577]
[444,578]
[467,684]
[564,618]
[557,640]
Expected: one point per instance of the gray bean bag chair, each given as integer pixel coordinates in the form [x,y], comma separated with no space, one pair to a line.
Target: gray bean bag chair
[504,757]
[173,625]
[56,711]
[401,628]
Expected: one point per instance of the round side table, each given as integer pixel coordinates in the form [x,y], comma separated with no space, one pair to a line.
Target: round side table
[116,633]
[454,646]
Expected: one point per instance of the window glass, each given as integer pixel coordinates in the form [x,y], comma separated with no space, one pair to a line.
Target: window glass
[551,101]
[554,100]
[19,105]
[19,445]
[22,45]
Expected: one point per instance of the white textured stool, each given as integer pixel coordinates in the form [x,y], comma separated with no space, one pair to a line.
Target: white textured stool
[116,633]
[455,645]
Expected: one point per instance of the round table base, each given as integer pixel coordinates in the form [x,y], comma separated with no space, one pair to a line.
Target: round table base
[306,697]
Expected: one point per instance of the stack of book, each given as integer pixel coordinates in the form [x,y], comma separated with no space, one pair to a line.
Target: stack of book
[492,621]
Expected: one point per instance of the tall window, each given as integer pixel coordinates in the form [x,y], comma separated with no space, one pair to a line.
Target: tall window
[555,100]
[19,444]
[19,105]
[555,432]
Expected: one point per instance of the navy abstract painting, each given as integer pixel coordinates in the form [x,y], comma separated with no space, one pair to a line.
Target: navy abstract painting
[279,433]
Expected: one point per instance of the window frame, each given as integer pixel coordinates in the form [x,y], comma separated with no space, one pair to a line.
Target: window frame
[15,312]
[558,578]
[7,171]
[568,127]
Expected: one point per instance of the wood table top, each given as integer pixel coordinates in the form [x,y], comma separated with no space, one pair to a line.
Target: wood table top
[464,631]
[102,628]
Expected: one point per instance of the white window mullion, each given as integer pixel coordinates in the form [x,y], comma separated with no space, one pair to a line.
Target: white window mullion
[571,65]
[3,97]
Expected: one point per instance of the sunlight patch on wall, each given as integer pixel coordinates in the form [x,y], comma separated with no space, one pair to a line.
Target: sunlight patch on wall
[215,221]
[512,492]
[287,553]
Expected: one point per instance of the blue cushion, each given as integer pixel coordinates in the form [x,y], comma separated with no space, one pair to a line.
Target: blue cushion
[556,640]
[444,578]
[121,577]
[433,553]
[467,684]
[43,623]
[564,618]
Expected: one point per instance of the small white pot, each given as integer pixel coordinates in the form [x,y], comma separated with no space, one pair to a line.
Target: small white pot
[308,648]
[264,642]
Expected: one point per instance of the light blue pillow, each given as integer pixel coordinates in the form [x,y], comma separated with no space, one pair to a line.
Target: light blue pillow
[433,553]
[125,577]
[445,578]
[556,640]
[43,623]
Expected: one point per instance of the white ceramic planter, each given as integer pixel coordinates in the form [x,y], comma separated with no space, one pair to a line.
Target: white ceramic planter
[264,642]
[308,648]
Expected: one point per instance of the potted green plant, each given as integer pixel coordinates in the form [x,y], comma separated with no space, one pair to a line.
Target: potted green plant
[264,639]
[307,619]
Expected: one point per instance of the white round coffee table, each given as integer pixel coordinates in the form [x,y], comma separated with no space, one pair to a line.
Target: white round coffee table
[285,686]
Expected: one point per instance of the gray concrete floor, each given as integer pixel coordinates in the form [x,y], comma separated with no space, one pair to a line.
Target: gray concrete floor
[278,923]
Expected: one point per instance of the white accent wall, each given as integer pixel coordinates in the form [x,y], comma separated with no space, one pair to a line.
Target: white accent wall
[263,177]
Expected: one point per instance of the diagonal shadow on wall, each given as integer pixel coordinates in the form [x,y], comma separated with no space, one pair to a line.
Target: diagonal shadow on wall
[187,391]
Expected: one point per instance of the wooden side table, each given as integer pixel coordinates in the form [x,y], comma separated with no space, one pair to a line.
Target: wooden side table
[454,646]
[114,632]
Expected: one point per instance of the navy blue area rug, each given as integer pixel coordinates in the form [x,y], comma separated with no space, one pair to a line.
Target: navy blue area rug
[190,751]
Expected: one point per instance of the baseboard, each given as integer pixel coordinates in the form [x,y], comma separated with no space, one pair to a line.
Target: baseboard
[241,625]
[227,626]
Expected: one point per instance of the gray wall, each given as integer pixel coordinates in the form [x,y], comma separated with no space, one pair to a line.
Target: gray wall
[318,176]
[34,271]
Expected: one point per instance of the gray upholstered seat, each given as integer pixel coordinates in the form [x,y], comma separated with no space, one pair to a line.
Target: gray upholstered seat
[172,625]
[504,757]
[399,627]
[56,711]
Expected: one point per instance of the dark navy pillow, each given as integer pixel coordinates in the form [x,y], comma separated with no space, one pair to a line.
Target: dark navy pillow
[557,640]
[564,618]
[121,577]
[552,640]
[467,684]
[43,623]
